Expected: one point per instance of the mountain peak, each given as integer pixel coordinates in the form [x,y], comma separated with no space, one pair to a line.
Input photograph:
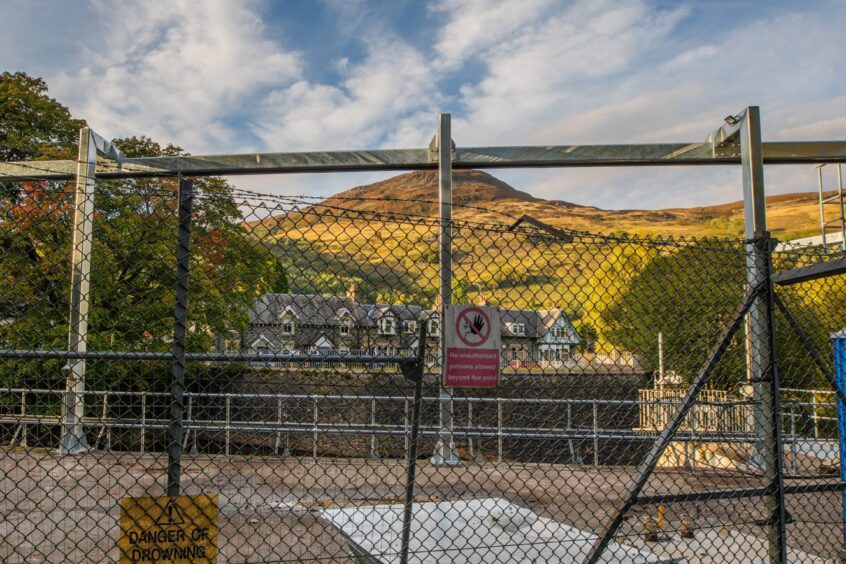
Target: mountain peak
[416,193]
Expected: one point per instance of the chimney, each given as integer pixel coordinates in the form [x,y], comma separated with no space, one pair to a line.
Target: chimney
[352,291]
[483,300]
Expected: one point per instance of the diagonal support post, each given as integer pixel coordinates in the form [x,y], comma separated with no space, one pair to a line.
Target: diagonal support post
[809,347]
[649,463]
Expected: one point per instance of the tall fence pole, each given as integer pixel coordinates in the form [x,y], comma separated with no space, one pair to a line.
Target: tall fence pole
[776,534]
[759,337]
[73,439]
[840,385]
[415,373]
[180,321]
[445,452]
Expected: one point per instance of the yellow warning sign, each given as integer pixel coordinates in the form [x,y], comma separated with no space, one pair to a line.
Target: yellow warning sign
[168,530]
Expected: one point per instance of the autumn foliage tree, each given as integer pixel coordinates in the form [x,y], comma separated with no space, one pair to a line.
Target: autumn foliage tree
[133,262]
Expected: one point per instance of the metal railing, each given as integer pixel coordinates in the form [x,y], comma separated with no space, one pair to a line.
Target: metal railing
[25,408]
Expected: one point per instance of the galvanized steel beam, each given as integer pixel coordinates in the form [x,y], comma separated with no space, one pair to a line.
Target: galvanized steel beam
[657,154]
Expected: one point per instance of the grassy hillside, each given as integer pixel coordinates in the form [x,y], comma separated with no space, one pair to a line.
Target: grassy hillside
[396,259]
[790,215]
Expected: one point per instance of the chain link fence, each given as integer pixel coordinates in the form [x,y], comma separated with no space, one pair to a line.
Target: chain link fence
[278,361]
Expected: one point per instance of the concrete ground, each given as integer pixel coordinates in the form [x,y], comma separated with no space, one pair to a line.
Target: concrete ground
[65,508]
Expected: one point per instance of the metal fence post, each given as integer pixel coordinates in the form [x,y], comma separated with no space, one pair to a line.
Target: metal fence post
[278,422]
[499,430]
[73,439]
[469,428]
[762,373]
[374,448]
[774,471]
[814,414]
[314,434]
[143,421]
[227,423]
[595,427]
[180,323]
[445,452]
[413,372]
[23,419]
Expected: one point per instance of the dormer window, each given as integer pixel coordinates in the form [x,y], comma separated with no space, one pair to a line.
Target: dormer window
[517,328]
[411,326]
[434,328]
[557,332]
[387,326]
[288,326]
[345,327]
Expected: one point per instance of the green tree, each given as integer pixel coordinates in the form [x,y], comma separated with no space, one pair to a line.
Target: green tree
[33,126]
[133,258]
[689,294]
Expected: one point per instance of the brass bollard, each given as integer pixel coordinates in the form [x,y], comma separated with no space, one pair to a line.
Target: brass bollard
[687,528]
[650,530]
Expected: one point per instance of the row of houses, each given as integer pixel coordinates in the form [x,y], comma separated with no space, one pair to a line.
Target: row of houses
[316,324]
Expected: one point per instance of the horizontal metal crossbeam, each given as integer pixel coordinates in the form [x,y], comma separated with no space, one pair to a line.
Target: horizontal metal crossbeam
[657,154]
[807,273]
[715,495]
[206,356]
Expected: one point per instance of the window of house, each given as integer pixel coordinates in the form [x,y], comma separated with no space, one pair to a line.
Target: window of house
[387,326]
[410,326]
[345,327]
[287,326]
[263,351]
[434,328]
[517,328]
[518,353]
[564,354]
[557,332]
[390,350]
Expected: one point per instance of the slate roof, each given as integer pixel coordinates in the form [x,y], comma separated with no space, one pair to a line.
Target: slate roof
[327,311]
[308,309]
[313,310]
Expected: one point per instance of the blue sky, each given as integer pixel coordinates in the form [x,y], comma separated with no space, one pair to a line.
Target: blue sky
[242,76]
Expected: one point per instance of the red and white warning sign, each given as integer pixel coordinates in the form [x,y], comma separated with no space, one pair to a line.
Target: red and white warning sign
[472,342]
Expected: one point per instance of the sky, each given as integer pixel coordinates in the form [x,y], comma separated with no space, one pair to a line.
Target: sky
[216,76]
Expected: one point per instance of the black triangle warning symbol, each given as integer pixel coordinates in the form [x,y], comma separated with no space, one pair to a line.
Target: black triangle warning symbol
[172,515]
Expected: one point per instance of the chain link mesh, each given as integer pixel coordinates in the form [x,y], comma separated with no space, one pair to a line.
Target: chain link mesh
[303,321]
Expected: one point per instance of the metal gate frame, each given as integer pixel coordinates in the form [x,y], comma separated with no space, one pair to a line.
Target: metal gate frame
[737,142]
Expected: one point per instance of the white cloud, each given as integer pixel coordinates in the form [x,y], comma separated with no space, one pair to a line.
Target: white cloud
[376,100]
[176,71]
[622,73]
[208,76]
[476,25]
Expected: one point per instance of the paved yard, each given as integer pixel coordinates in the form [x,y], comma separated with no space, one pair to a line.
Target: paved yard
[65,509]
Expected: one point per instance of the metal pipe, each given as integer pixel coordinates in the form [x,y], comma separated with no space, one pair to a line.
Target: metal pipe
[72,440]
[228,423]
[822,204]
[595,433]
[180,322]
[499,431]
[411,460]
[374,451]
[279,421]
[445,451]
[776,504]
[143,421]
[314,435]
